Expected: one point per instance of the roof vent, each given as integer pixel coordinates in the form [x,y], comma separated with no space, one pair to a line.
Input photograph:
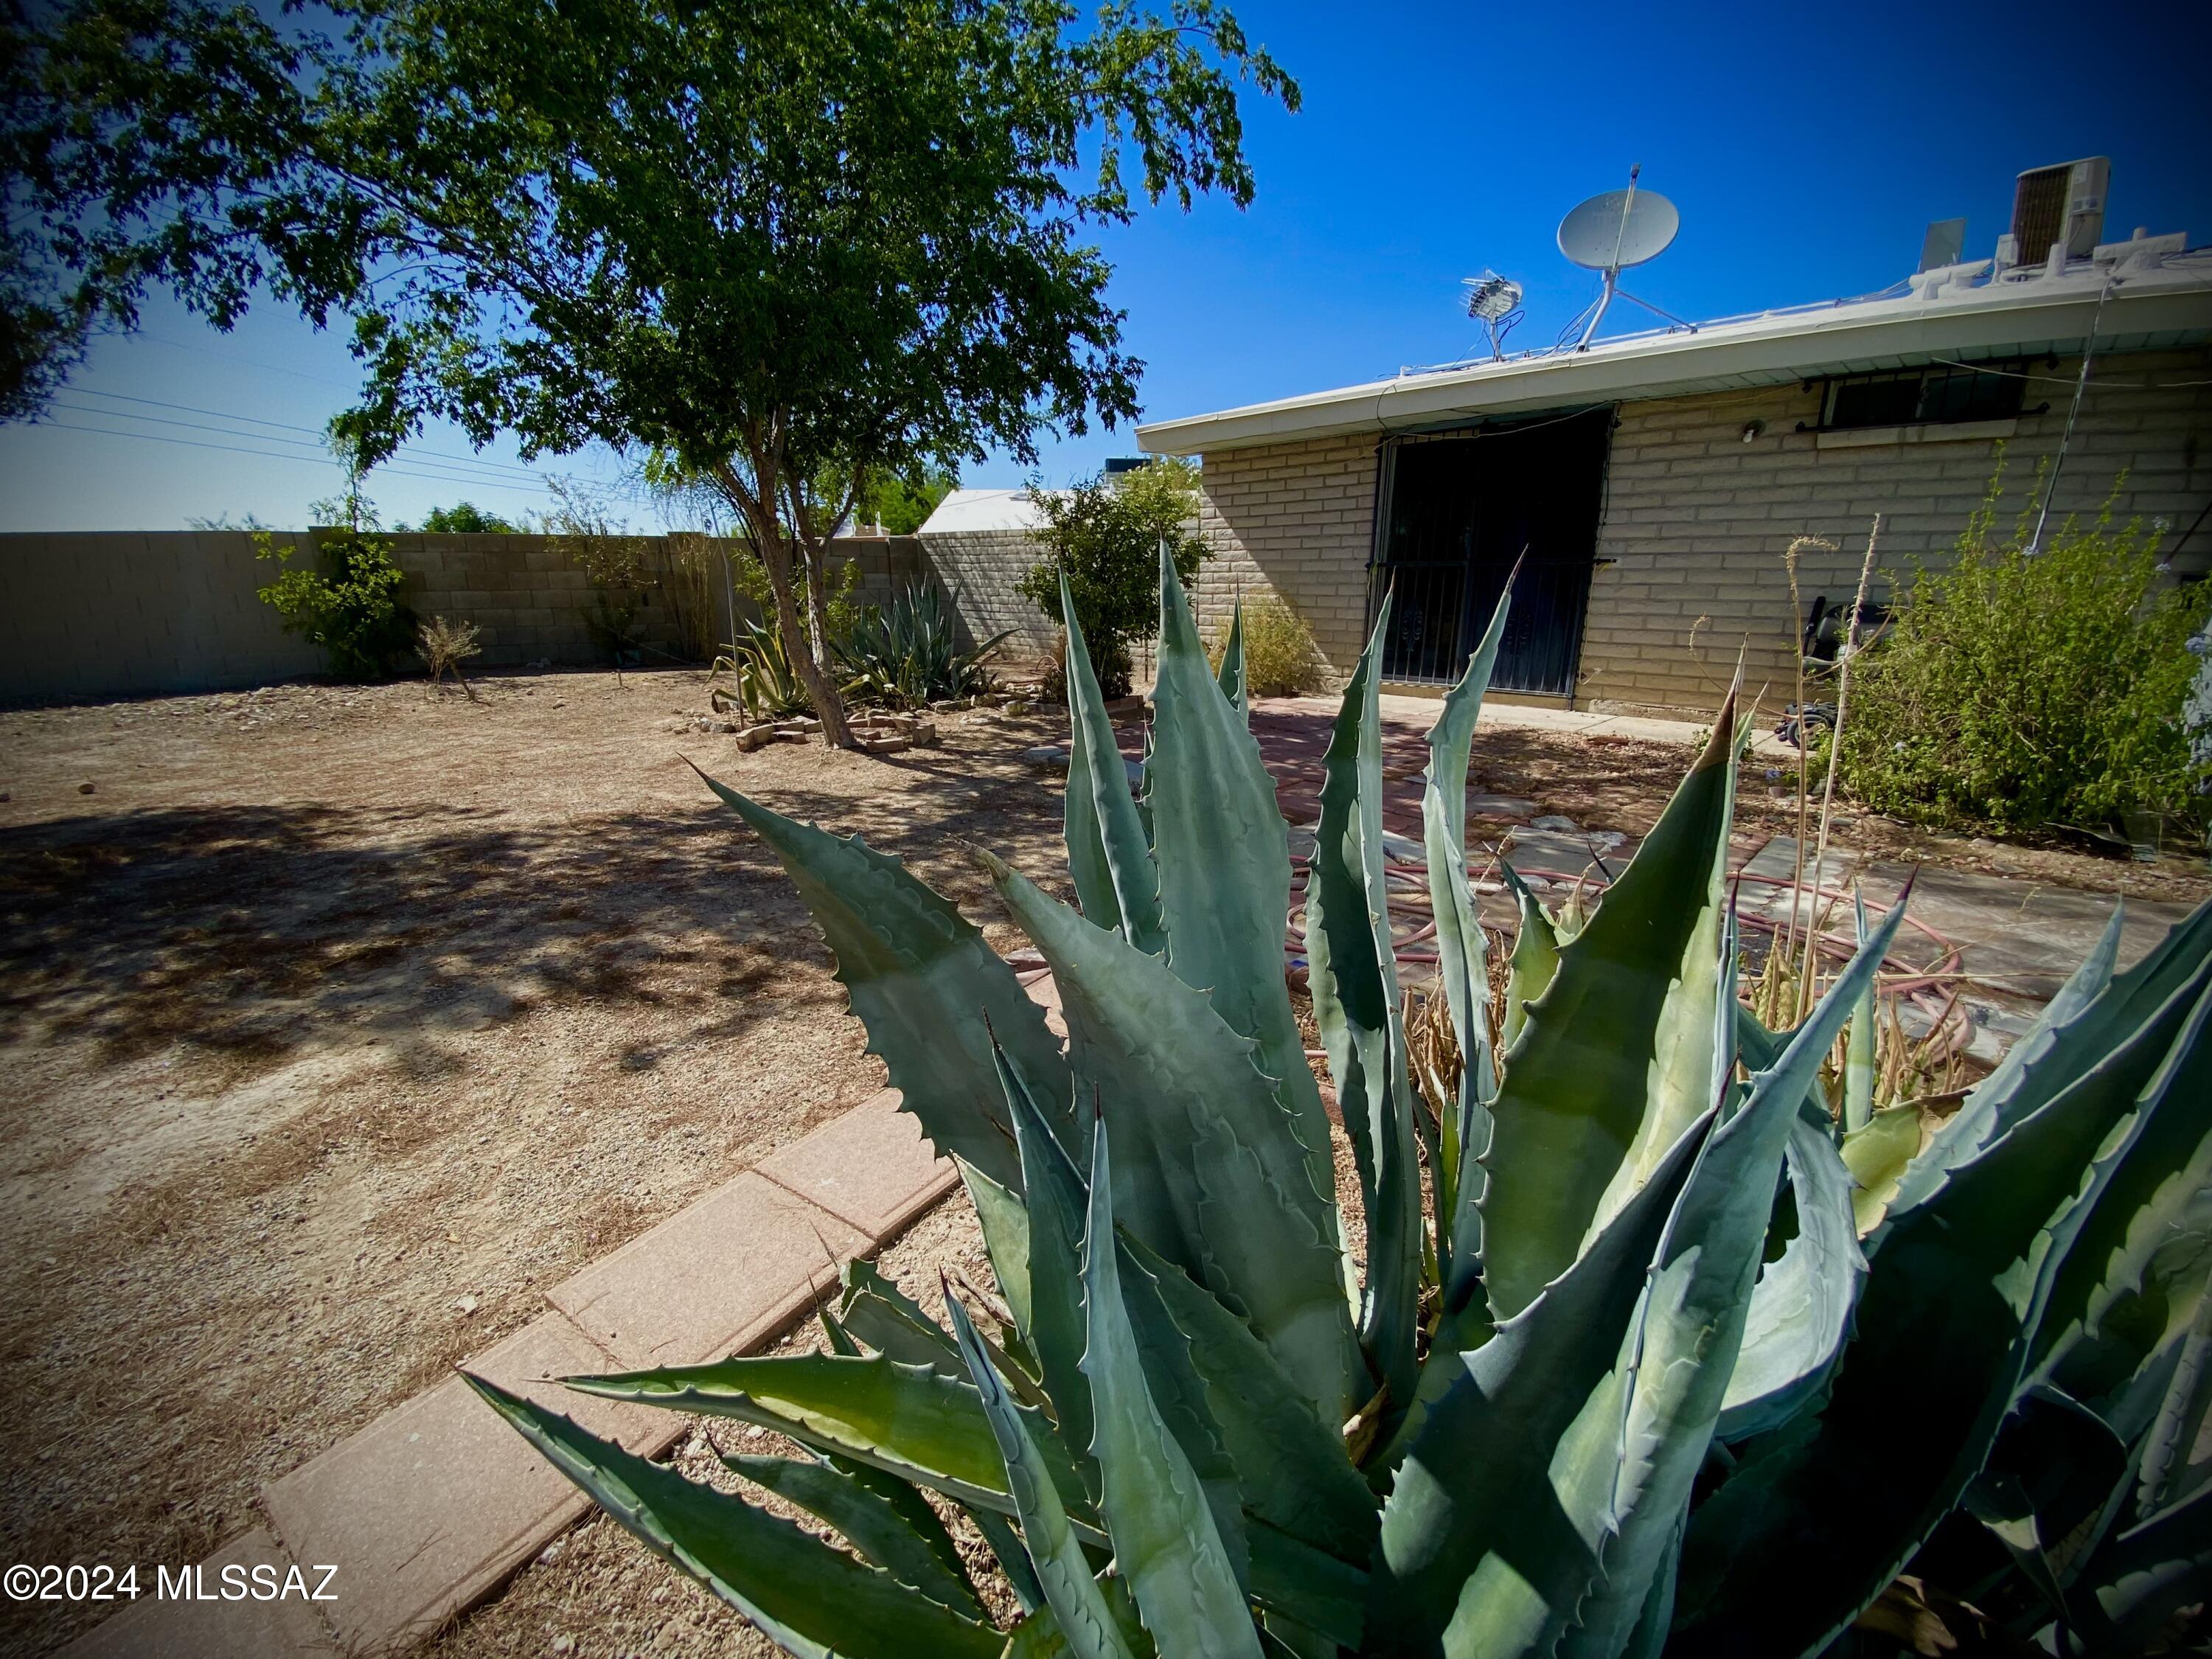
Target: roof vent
[2061,204]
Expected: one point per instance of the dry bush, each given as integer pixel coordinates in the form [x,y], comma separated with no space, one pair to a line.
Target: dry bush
[1281,657]
[445,646]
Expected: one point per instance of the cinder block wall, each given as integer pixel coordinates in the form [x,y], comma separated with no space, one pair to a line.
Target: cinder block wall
[528,600]
[96,614]
[977,569]
[1696,520]
[1297,521]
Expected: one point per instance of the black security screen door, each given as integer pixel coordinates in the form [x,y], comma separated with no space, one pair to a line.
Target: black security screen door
[1456,513]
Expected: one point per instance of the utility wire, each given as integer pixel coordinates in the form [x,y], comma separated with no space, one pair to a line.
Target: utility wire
[440,455]
[279,455]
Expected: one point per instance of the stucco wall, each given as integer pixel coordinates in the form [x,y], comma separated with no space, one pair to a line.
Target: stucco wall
[1696,520]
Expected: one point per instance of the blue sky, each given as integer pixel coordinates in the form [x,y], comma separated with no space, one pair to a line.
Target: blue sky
[1806,147]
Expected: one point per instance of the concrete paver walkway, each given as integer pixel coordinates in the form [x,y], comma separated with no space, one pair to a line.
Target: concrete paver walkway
[435,1504]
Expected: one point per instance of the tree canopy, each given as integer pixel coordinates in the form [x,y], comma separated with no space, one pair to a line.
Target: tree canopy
[778,241]
[463,518]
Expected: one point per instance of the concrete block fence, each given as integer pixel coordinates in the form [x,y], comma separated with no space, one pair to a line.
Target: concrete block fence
[97,614]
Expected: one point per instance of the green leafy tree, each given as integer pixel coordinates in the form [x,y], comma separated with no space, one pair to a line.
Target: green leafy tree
[780,241]
[1105,536]
[463,518]
[902,506]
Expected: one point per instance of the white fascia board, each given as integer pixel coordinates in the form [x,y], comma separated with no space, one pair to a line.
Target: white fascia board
[1765,351]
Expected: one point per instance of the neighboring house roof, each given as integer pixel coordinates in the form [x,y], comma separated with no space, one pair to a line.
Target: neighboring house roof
[2157,298]
[984,509]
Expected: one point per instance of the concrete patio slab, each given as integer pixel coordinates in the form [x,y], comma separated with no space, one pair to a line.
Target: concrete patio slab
[430,1508]
[2016,937]
[871,1169]
[288,1628]
[726,1273]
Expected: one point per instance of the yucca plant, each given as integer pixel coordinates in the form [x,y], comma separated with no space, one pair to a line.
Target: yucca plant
[1619,1376]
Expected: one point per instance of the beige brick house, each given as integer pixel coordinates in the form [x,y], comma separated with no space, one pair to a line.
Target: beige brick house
[1654,480]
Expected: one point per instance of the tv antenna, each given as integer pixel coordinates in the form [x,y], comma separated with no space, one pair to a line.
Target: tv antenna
[1495,302]
[1612,232]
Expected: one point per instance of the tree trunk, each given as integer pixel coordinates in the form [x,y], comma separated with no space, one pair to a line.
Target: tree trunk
[757,508]
[798,645]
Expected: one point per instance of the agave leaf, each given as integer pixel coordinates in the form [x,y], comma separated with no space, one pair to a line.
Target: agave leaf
[814,1600]
[1179,1395]
[1290,1466]
[1683,1347]
[1057,1203]
[1474,1538]
[1064,1576]
[876,1311]
[882,1534]
[2054,1479]
[1858,1047]
[1231,675]
[1309,1587]
[1005,1222]
[1680,1083]
[1801,1309]
[1535,958]
[2093,1011]
[1461,954]
[2177,1427]
[1108,856]
[923,982]
[1877,1153]
[1213,1178]
[1039,1636]
[1607,1050]
[1952,1295]
[1013,1556]
[2142,1256]
[1225,863]
[2140,1579]
[1165,1538]
[908,1419]
[1354,977]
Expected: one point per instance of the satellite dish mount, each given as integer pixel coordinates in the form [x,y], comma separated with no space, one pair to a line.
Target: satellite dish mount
[1612,232]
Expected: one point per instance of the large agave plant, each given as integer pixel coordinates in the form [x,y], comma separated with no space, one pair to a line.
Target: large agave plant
[1620,1376]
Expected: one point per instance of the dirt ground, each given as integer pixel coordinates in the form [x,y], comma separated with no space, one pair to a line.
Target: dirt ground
[336,1025]
[1606,782]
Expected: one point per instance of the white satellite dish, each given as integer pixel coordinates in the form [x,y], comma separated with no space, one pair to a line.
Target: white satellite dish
[1612,232]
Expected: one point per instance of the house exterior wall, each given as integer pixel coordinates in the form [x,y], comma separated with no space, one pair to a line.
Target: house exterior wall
[1696,520]
[1297,521]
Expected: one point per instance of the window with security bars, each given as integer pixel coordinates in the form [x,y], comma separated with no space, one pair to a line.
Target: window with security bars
[1940,395]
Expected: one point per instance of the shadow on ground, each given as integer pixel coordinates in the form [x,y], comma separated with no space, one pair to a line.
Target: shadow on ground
[239,931]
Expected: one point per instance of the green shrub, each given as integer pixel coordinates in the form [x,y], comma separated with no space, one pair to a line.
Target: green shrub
[1281,657]
[2014,689]
[1105,536]
[1570,1407]
[351,608]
